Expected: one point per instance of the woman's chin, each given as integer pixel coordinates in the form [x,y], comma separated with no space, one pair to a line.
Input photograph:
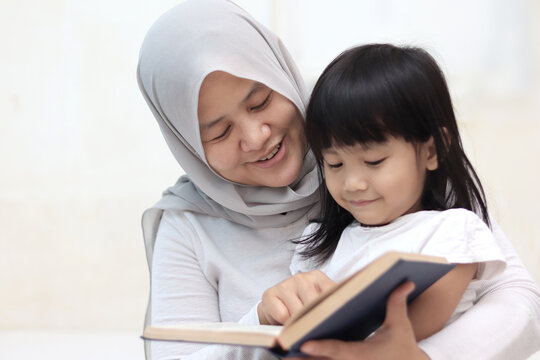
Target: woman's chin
[285,178]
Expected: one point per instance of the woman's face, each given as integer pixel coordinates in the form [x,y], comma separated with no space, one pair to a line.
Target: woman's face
[250,134]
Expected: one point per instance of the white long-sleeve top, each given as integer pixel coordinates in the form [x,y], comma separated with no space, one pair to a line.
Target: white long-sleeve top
[208,269]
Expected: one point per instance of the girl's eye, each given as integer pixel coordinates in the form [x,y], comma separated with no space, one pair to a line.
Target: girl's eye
[334,166]
[263,104]
[223,134]
[375,163]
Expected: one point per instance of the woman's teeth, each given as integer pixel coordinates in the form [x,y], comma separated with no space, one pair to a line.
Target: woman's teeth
[272,154]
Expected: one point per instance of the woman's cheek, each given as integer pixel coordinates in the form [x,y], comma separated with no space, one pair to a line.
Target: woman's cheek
[219,160]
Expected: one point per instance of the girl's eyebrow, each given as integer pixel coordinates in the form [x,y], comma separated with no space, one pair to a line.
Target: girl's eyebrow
[253,90]
[329,151]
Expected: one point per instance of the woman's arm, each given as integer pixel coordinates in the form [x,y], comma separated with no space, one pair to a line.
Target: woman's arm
[181,292]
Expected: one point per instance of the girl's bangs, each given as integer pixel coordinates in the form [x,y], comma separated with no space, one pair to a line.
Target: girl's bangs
[348,115]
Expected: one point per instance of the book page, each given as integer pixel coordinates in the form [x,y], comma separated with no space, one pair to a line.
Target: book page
[216,332]
[226,326]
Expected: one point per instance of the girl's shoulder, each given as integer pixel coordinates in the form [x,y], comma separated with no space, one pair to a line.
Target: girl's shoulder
[462,218]
[442,217]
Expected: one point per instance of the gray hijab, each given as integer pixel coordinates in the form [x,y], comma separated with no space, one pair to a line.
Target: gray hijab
[185,44]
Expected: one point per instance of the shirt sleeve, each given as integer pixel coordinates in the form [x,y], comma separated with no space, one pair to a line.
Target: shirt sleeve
[503,324]
[181,293]
[463,238]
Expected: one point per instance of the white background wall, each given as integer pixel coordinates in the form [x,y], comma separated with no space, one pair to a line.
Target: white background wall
[81,156]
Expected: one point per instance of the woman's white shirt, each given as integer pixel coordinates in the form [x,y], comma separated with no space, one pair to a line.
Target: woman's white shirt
[209,269]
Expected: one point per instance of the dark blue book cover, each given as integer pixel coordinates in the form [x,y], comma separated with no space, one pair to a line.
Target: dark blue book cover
[365,312]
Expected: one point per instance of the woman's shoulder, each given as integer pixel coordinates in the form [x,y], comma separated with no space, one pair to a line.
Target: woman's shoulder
[178,220]
[176,226]
[185,224]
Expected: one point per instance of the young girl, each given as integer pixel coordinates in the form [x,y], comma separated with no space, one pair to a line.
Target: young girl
[381,125]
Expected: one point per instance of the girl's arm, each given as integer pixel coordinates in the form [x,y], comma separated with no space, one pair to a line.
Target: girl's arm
[430,311]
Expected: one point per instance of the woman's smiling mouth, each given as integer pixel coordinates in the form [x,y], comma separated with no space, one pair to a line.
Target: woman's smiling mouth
[272,153]
[275,156]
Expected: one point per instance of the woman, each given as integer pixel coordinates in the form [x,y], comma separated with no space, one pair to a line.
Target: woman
[230,103]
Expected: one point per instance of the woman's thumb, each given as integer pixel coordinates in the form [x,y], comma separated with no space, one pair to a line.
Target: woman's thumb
[396,306]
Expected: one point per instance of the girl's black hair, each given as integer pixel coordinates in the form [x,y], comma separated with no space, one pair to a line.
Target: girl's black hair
[369,93]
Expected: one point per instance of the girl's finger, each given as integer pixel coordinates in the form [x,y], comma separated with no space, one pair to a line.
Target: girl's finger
[308,291]
[324,282]
[292,302]
[276,312]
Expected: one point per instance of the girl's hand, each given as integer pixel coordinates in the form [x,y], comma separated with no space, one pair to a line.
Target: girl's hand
[285,299]
[394,340]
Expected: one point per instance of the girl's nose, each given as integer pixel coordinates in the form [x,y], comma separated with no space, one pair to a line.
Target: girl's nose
[355,182]
[255,136]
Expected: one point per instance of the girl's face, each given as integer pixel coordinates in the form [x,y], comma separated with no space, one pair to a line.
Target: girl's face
[250,134]
[379,182]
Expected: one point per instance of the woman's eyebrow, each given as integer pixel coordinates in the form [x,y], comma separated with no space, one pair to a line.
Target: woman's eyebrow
[208,125]
[254,89]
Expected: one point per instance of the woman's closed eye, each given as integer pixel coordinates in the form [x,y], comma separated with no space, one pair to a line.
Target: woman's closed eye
[263,104]
[223,134]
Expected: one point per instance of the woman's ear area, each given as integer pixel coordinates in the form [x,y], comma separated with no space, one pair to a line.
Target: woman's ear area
[430,151]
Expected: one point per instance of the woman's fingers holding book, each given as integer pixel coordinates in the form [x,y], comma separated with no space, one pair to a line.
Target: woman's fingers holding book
[287,298]
[396,308]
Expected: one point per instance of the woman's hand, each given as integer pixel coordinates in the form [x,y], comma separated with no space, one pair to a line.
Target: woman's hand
[285,299]
[394,339]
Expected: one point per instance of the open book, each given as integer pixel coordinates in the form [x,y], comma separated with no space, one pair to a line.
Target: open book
[351,310]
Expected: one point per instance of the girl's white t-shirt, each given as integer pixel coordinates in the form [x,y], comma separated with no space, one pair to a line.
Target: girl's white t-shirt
[458,235]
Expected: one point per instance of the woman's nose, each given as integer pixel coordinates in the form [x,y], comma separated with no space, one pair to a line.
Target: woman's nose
[254,136]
